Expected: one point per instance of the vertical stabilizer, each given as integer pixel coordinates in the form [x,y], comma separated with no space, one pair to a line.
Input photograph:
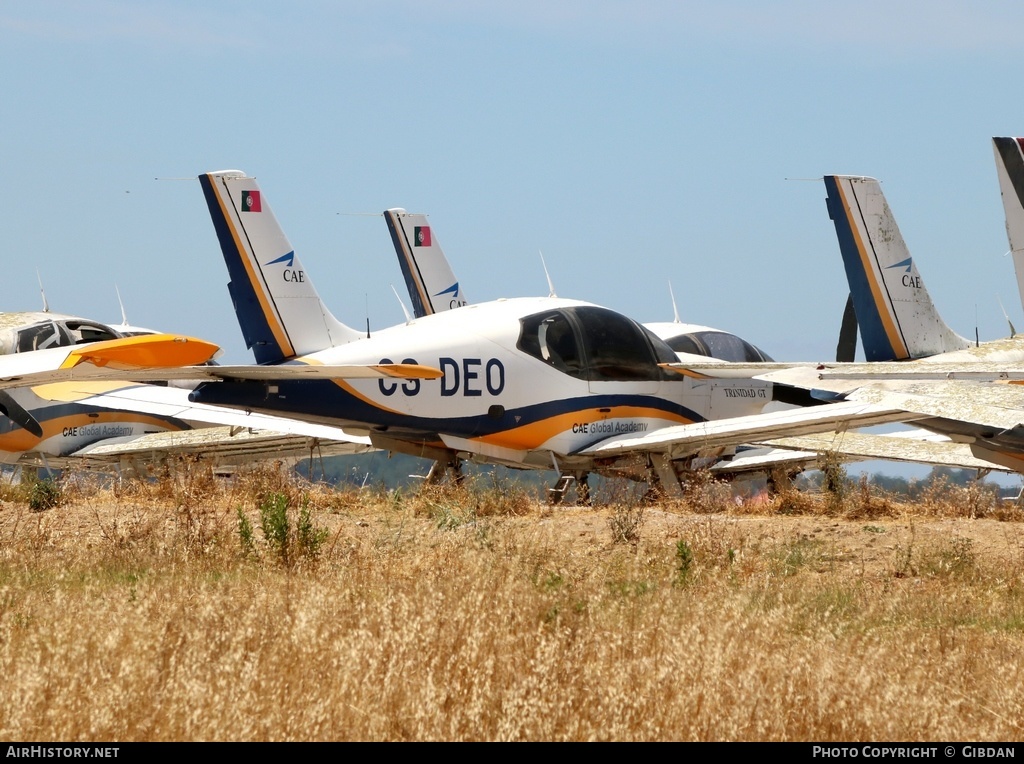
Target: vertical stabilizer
[894,310]
[432,285]
[1010,169]
[278,308]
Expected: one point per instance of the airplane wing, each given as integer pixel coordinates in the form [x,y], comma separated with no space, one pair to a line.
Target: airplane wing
[685,440]
[221,446]
[916,447]
[150,353]
[26,376]
[173,402]
[989,417]
[987,368]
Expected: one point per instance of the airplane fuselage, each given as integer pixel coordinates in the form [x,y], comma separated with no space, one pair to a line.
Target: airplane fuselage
[511,383]
[68,425]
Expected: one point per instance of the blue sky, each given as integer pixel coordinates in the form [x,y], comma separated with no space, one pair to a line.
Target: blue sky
[634,143]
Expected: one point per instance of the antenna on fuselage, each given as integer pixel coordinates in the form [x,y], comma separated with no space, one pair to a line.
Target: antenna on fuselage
[405,310]
[675,310]
[46,305]
[1013,332]
[124,316]
[551,287]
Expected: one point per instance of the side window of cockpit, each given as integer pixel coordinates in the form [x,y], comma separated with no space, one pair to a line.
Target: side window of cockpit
[82,332]
[550,337]
[40,337]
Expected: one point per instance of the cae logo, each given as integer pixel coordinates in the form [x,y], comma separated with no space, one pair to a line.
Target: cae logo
[290,273]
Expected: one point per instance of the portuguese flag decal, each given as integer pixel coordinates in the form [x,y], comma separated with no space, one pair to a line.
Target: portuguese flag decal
[251,201]
[421,236]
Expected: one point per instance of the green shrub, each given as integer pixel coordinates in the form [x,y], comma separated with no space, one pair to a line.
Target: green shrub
[287,541]
[45,494]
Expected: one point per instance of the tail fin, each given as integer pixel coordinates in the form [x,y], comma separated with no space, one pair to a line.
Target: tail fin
[897,318]
[278,308]
[432,285]
[1009,154]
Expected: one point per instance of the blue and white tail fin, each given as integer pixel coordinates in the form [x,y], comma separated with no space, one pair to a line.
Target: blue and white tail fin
[432,285]
[894,310]
[278,308]
[1009,154]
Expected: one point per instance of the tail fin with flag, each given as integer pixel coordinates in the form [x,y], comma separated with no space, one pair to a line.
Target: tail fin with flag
[278,308]
[432,285]
[894,310]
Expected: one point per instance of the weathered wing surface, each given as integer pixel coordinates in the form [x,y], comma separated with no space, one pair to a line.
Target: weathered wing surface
[683,440]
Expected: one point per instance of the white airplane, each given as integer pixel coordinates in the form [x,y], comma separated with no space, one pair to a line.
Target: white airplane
[969,392]
[53,414]
[434,288]
[529,382]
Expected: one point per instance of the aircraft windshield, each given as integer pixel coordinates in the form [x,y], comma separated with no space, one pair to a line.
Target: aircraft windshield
[41,336]
[52,334]
[594,343]
[720,345]
[83,331]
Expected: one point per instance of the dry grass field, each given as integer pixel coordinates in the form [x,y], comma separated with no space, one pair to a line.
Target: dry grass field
[265,609]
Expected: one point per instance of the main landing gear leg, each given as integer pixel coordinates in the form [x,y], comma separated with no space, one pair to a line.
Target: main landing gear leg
[446,467]
[557,492]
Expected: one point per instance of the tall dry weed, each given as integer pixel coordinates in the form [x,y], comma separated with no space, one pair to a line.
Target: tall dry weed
[117,625]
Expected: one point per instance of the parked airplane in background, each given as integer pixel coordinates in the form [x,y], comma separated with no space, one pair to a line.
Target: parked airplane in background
[61,418]
[433,288]
[970,392]
[894,311]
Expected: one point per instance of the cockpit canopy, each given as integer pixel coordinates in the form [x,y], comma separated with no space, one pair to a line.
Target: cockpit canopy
[594,343]
[715,344]
[56,332]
